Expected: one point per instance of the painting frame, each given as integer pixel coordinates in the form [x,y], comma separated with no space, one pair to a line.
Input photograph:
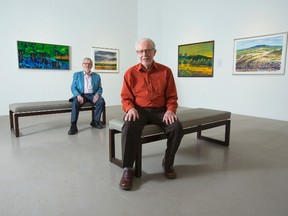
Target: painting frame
[36,55]
[265,54]
[196,59]
[105,60]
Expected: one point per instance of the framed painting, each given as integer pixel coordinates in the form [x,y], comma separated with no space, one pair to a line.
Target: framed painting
[33,55]
[260,55]
[196,59]
[105,60]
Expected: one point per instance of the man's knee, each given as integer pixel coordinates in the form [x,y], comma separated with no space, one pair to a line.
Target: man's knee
[177,127]
[76,103]
[132,125]
[100,102]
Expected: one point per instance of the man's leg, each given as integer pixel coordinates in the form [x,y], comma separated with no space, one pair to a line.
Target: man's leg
[174,133]
[76,106]
[99,105]
[98,108]
[131,135]
[130,139]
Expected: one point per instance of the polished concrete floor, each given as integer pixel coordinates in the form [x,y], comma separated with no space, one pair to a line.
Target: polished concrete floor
[47,172]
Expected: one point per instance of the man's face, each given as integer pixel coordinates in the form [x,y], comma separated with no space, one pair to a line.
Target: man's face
[87,65]
[146,53]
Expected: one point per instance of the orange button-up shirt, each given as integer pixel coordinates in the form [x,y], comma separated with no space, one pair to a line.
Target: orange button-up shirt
[155,88]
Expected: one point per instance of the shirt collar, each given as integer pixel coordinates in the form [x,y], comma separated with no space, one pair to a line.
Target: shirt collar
[86,74]
[140,66]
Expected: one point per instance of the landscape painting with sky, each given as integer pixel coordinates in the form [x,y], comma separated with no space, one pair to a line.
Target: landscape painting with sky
[260,55]
[196,60]
[105,60]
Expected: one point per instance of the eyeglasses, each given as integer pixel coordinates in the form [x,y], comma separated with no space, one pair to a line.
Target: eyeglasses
[140,52]
[86,63]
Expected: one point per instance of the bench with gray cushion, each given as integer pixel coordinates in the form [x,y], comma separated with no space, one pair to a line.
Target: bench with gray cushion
[17,110]
[193,120]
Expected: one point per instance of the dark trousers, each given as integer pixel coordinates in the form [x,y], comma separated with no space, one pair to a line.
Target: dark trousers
[132,130]
[76,106]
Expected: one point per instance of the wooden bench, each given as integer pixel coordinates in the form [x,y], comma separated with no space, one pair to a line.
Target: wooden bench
[193,120]
[17,110]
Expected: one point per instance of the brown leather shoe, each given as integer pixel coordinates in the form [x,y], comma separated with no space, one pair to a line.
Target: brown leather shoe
[169,172]
[126,181]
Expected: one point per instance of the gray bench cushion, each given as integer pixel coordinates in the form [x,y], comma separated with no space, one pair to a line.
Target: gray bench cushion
[188,117]
[42,106]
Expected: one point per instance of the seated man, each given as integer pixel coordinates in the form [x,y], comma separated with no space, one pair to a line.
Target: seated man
[86,87]
[149,96]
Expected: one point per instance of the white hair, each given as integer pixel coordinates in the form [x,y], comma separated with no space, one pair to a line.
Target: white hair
[145,39]
[87,58]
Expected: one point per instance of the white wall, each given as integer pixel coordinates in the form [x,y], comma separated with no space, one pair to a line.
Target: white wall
[79,24]
[117,24]
[189,21]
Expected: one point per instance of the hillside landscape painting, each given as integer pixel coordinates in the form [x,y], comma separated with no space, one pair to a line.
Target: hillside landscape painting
[261,55]
[196,60]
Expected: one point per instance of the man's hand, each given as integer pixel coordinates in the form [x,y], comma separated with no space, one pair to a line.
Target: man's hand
[80,99]
[95,98]
[169,117]
[131,115]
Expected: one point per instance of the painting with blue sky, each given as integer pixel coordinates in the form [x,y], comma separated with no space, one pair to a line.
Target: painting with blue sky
[260,55]
[105,60]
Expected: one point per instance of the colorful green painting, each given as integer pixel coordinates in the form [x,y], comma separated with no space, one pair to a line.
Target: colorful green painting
[196,60]
[43,56]
[260,55]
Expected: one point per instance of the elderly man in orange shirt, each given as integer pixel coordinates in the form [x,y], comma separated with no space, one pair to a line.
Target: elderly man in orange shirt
[149,96]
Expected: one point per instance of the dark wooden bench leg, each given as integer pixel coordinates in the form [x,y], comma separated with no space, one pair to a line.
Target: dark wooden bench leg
[104,115]
[14,127]
[11,120]
[112,158]
[226,142]
[227,132]
[138,162]
[111,144]
[17,133]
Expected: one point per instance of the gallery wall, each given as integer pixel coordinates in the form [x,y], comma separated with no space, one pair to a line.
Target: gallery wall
[115,24]
[78,24]
[182,22]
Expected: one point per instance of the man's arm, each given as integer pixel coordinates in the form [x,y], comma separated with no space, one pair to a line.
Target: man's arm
[171,100]
[171,94]
[127,97]
[97,85]
[75,88]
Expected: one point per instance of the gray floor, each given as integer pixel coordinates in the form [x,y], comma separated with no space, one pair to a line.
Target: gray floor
[46,172]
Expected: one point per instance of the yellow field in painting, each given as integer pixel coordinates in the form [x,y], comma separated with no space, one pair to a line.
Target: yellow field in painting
[106,67]
[187,70]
